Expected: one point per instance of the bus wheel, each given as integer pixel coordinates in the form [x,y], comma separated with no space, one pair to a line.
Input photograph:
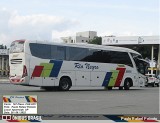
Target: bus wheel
[127,84]
[109,88]
[64,84]
[120,88]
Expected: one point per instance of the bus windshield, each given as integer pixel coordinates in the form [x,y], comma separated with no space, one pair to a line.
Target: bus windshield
[17,47]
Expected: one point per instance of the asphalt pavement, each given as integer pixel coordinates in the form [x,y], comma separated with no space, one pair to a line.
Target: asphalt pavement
[91,100]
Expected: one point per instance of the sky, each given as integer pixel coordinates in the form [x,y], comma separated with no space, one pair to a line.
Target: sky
[52,19]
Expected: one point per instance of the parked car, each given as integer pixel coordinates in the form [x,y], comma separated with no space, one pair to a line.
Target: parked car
[152,80]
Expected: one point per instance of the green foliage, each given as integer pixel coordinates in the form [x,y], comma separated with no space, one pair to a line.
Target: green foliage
[96,40]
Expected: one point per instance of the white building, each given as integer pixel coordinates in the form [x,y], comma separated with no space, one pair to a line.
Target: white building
[136,41]
[81,37]
[4,62]
[130,40]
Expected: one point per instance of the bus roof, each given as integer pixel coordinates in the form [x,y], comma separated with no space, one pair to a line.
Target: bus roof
[84,45]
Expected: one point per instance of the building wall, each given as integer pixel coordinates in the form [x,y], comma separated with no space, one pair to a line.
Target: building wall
[88,34]
[81,37]
[4,62]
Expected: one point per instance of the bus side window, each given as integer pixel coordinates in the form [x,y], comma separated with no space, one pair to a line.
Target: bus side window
[61,53]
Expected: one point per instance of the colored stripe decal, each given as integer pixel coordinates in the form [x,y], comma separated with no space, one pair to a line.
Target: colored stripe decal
[4,99]
[37,71]
[113,77]
[120,76]
[27,98]
[30,99]
[107,78]
[47,69]
[34,100]
[9,100]
[56,68]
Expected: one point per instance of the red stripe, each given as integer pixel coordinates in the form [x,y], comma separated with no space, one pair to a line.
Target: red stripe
[120,76]
[37,71]
[34,99]
[4,99]
[150,121]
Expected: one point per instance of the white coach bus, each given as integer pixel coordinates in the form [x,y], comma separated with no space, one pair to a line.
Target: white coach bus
[49,65]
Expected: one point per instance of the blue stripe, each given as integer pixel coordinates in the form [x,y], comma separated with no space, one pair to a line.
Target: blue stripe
[9,100]
[107,78]
[56,68]
[115,118]
[27,98]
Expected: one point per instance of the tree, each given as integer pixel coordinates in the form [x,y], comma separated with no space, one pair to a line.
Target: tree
[96,40]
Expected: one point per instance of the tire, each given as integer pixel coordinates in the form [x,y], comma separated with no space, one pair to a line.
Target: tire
[64,84]
[157,84]
[152,84]
[146,85]
[109,88]
[127,84]
[120,88]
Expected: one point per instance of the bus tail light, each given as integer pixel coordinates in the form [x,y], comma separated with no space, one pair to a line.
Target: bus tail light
[24,71]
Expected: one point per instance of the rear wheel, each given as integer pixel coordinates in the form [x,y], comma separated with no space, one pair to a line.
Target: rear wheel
[127,84]
[64,84]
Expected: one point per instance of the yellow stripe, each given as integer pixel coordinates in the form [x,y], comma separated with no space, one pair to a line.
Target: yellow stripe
[23,121]
[7,100]
[30,99]
[135,121]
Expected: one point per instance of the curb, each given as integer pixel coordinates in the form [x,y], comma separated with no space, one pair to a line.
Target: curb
[4,81]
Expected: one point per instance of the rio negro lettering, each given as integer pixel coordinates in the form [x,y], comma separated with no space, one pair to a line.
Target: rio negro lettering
[86,65]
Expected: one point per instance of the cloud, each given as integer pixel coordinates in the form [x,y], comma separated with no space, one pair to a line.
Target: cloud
[35,27]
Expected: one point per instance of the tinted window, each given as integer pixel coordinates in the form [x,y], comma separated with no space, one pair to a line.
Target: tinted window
[120,58]
[17,47]
[95,56]
[61,53]
[40,50]
[77,54]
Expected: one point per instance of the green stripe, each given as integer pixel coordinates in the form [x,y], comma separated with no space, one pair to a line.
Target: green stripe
[47,69]
[113,77]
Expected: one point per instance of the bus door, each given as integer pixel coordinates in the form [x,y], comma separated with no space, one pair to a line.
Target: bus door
[142,69]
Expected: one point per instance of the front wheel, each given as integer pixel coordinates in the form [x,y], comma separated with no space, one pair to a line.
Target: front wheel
[157,84]
[64,84]
[127,84]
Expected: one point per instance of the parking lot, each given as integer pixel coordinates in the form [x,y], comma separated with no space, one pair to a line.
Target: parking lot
[90,100]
